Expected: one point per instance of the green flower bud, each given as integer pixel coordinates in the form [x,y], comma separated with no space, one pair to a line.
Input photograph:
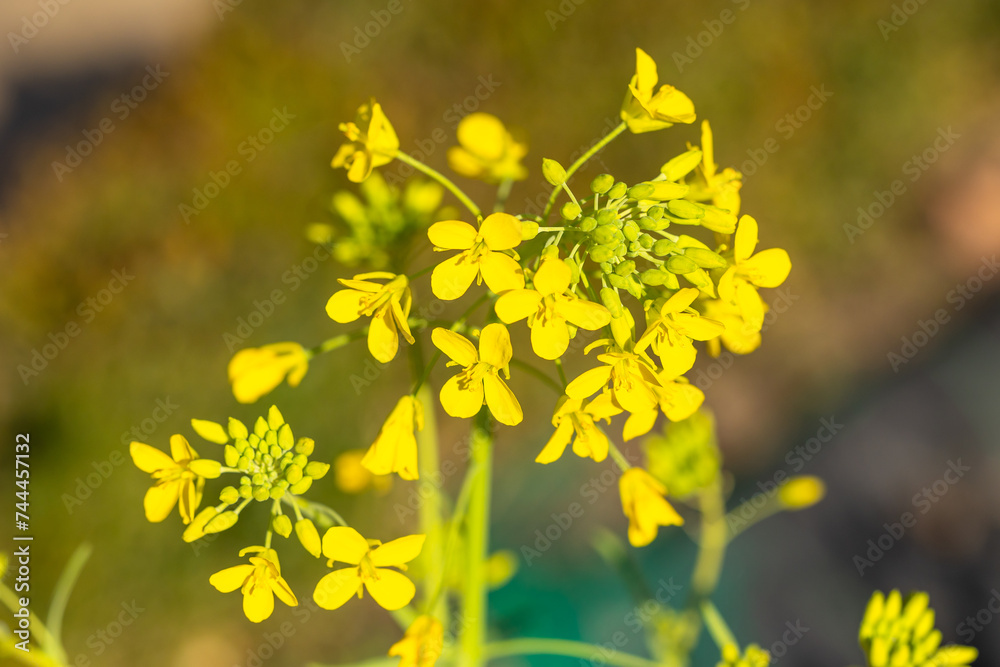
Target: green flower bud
[196,528]
[317,469]
[276,492]
[570,211]
[641,191]
[618,190]
[706,259]
[229,495]
[683,208]
[645,241]
[300,460]
[655,212]
[306,531]
[621,250]
[553,172]
[301,486]
[625,268]
[261,493]
[294,473]
[237,429]
[210,431]
[601,254]
[618,281]
[652,277]
[243,463]
[242,445]
[285,438]
[271,439]
[221,522]
[260,427]
[718,220]
[606,217]
[529,230]
[602,184]
[630,230]
[282,525]
[246,491]
[274,418]
[664,247]
[611,301]
[677,168]
[275,452]
[604,235]
[680,264]
[588,224]
[254,441]
[231,456]
[305,446]
[607,267]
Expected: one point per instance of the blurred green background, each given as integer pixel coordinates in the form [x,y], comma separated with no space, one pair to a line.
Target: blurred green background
[558,72]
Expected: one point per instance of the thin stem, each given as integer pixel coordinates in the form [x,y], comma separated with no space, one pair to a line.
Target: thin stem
[337,341]
[474,607]
[619,458]
[580,162]
[562,373]
[564,647]
[712,543]
[428,463]
[60,596]
[442,179]
[503,192]
[717,627]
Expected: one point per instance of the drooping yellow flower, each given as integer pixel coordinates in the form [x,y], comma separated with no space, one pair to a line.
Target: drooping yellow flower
[179,477]
[739,283]
[395,448]
[373,143]
[422,645]
[479,380]
[369,569]
[549,307]
[256,371]
[645,111]
[645,506]
[739,337]
[481,255]
[575,420]
[260,580]
[677,399]
[671,334]
[487,151]
[632,377]
[388,305]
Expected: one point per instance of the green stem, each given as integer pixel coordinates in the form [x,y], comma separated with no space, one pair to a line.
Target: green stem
[49,644]
[60,596]
[580,162]
[428,463]
[564,647]
[712,543]
[503,192]
[717,627]
[619,458]
[337,341]
[474,607]
[442,179]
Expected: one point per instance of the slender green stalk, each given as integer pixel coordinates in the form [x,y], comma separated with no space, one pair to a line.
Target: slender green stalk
[428,464]
[717,627]
[580,162]
[50,645]
[474,607]
[331,344]
[712,543]
[619,458]
[503,192]
[60,596]
[564,647]
[442,179]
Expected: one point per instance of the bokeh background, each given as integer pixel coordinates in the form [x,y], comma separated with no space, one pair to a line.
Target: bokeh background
[897,77]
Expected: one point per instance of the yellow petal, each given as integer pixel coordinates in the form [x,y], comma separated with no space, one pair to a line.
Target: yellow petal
[391,589]
[768,268]
[553,276]
[258,603]
[494,345]
[556,445]
[680,301]
[383,342]
[149,459]
[345,306]
[461,403]
[590,442]
[455,346]
[750,304]
[160,500]
[746,238]
[698,328]
[344,544]
[180,448]
[645,72]
[549,338]
[189,497]
[639,423]
[336,588]
[589,382]
[228,580]
[483,134]
[452,277]
[727,285]
[517,304]
[501,401]
[284,592]
[681,400]
[584,314]
[452,235]
[465,163]
[398,551]
[501,231]
[501,272]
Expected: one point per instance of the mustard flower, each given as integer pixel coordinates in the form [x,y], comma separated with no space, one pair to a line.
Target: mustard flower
[738,337]
[260,580]
[632,378]
[422,645]
[479,380]
[482,255]
[369,569]
[722,188]
[487,151]
[180,478]
[395,448]
[549,307]
[645,506]
[373,143]
[646,111]
[388,305]
[898,631]
[256,371]
[576,420]
[671,334]
[739,283]
[676,398]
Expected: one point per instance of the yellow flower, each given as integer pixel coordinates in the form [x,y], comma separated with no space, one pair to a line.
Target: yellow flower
[395,448]
[180,478]
[768,268]
[574,420]
[676,398]
[390,588]
[548,307]
[487,151]
[709,184]
[388,305]
[672,333]
[645,506]
[739,337]
[632,376]
[373,143]
[256,371]
[422,645]
[481,255]
[260,580]
[645,111]
[479,380]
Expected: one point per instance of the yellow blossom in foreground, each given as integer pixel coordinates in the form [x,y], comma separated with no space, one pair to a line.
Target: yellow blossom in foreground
[632,376]
[645,506]
[256,371]
[575,420]
[644,110]
[677,399]
[481,255]
[179,477]
[671,334]
[549,307]
[395,448]
[739,337]
[388,305]
[487,150]
[768,268]
[373,143]
[479,380]
[391,589]
[422,645]
[259,581]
